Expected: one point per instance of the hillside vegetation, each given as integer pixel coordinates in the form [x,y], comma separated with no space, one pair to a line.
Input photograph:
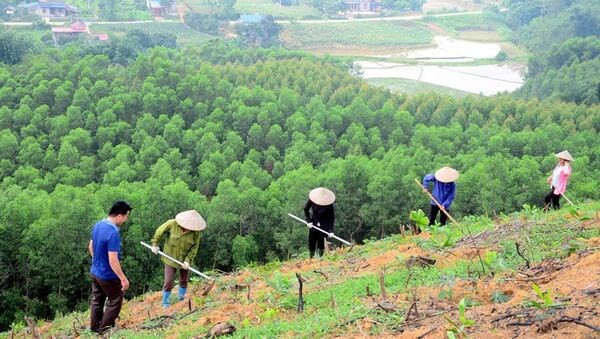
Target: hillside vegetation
[241,136]
[524,274]
[564,38]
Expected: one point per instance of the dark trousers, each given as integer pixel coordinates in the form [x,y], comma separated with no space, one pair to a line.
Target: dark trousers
[552,198]
[433,214]
[101,318]
[316,239]
[170,277]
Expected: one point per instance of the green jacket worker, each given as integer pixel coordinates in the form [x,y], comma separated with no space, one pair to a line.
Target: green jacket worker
[182,239]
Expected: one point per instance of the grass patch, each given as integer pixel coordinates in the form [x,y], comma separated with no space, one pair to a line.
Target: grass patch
[34,33]
[371,33]
[185,36]
[320,318]
[413,86]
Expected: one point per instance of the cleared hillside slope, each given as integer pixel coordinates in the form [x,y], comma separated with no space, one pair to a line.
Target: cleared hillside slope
[558,251]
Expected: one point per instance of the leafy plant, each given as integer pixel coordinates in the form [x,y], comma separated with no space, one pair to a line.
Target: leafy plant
[458,328]
[494,262]
[547,301]
[442,236]
[270,313]
[17,327]
[280,283]
[499,297]
[419,218]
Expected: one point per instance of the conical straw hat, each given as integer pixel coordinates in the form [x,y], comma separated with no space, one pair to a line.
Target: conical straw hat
[191,220]
[446,174]
[564,155]
[321,196]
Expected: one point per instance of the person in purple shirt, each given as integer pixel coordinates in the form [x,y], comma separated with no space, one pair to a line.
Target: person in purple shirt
[108,280]
[444,190]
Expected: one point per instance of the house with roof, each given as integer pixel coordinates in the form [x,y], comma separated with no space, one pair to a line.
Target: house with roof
[156,8]
[160,8]
[74,31]
[50,9]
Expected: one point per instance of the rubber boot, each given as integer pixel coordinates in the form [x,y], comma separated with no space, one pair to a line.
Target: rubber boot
[181,294]
[165,300]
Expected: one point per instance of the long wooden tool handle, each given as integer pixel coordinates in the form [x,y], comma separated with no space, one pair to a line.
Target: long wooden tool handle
[434,200]
[569,200]
[177,261]
[319,229]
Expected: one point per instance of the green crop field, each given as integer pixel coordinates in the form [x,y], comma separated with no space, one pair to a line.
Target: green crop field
[370,33]
[34,33]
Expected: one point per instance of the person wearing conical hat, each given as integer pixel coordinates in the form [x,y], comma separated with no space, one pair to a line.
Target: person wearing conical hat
[320,202]
[444,191]
[182,241]
[558,180]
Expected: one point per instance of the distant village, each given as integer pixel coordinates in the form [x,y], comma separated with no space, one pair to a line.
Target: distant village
[66,24]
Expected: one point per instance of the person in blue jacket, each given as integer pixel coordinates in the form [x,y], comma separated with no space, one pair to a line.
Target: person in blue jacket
[444,191]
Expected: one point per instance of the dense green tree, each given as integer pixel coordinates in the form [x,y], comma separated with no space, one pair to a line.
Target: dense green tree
[13,47]
[263,34]
[244,250]
[202,23]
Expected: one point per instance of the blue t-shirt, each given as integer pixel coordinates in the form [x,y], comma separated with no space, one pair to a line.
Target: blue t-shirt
[105,238]
[443,192]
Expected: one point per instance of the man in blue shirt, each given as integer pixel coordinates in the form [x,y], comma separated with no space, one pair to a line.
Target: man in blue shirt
[444,190]
[108,280]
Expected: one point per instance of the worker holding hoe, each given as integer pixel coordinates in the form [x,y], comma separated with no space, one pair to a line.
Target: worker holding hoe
[320,202]
[444,191]
[558,180]
[181,243]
